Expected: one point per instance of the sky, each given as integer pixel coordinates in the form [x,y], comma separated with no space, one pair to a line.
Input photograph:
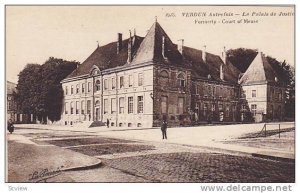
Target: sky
[35,33]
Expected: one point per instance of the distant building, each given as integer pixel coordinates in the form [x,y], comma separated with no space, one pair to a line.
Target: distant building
[139,81]
[11,104]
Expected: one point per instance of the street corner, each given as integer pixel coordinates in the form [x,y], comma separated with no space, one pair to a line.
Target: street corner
[23,156]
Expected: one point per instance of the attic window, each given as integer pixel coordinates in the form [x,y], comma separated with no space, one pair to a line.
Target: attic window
[96,72]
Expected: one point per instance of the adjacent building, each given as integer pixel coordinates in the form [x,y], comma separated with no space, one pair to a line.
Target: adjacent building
[139,81]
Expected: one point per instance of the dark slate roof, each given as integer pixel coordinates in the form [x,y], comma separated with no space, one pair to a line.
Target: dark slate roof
[106,57]
[149,49]
[259,70]
[201,69]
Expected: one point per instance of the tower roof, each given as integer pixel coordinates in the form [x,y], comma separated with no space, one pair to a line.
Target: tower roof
[259,71]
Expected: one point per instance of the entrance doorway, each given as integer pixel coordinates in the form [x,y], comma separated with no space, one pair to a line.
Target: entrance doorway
[97,114]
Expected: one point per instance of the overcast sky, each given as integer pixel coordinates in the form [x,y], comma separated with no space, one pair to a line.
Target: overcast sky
[33,34]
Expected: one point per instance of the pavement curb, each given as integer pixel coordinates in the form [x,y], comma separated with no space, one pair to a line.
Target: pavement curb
[92,166]
[276,158]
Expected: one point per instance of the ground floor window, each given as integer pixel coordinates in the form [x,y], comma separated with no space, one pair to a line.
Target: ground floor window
[180,105]
[164,104]
[253,109]
[130,105]
[121,105]
[140,104]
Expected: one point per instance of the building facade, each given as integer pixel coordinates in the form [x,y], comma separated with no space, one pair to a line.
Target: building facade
[140,81]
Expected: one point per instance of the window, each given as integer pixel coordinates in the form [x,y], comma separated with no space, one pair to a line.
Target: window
[244,107]
[77,88]
[72,89]
[77,107]
[66,108]
[164,74]
[105,106]
[113,83]
[140,79]
[83,88]
[164,104]
[180,105]
[205,107]
[253,109]
[121,105]
[130,80]
[196,89]
[220,107]
[227,111]
[253,93]
[213,107]
[88,107]
[140,104]
[66,90]
[105,84]
[82,107]
[113,106]
[121,81]
[72,107]
[97,85]
[130,105]
[181,80]
[89,86]
[271,93]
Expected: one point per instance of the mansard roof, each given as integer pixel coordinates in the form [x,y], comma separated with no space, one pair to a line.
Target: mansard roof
[106,57]
[149,49]
[260,70]
[202,69]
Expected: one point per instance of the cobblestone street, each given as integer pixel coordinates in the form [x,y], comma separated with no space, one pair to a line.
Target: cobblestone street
[140,161]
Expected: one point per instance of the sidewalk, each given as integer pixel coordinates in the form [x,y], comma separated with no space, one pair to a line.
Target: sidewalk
[29,162]
[214,137]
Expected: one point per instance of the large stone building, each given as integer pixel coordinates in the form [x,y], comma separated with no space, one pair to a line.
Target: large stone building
[139,81]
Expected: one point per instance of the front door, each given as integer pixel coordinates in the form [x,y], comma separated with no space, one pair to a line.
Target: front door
[97,114]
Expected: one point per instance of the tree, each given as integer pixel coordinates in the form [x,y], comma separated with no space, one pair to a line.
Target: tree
[39,91]
[241,58]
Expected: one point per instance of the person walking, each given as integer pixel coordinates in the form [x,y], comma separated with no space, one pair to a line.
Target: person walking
[107,123]
[10,126]
[164,127]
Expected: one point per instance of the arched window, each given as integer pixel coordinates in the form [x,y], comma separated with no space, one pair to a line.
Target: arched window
[164,74]
[97,84]
[97,103]
[181,80]
[72,89]
[164,78]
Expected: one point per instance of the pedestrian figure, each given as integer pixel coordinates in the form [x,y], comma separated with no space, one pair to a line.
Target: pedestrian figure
[164,127]
[107,123]
[10,126]
[89,117]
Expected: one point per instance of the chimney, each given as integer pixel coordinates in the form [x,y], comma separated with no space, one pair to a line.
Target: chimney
[224,57]
[119,44]
[180,46]
[221,72]
[204,54]
[129,48]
